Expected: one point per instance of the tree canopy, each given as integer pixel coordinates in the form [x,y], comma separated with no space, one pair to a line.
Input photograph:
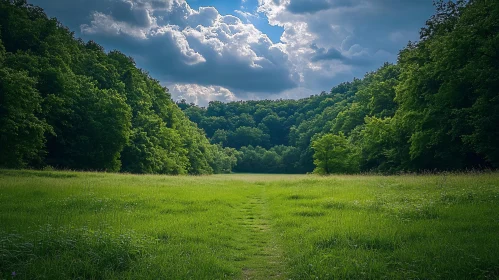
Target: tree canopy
[436,109]
[68,104]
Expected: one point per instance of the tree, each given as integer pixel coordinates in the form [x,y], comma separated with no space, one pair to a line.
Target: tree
[220,137]
[444,79]
[224,159]
[334,154]
[69,104]
[91,126]
[212,124]
[241,120]
[246,136]
[21,131]
[277,130]
[379,151]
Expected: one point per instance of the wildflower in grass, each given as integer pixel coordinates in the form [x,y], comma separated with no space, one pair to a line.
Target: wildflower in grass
[13,274]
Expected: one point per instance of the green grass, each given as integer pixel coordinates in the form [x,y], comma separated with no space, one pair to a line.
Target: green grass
[61,225]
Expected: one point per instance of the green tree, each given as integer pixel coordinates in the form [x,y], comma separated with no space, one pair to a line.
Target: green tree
[444,79]
[91,126]
[220,137]
[212,124]
[21,130]
[246,136]
[334,154]
[224,159]
[378,146]
[242,120]
[105,113]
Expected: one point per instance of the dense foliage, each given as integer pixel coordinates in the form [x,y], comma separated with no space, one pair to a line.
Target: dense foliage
[436,109]
[68,104]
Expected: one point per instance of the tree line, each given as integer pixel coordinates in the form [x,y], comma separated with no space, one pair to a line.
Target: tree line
[68,104]
[436,109]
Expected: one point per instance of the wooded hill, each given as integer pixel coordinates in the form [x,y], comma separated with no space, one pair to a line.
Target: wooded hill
[436,109]
[67,104]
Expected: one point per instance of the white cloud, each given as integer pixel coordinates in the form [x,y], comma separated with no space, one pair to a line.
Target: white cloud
[330,41]
[247,15]
[201,95]
[102,23]
[183,45]
[324,42]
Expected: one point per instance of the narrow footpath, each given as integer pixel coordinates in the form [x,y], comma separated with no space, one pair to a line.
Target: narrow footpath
[263,257]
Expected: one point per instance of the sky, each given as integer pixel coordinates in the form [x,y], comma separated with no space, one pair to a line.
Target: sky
[229,50]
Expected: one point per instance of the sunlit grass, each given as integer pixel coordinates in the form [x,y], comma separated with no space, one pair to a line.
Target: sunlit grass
[60,225]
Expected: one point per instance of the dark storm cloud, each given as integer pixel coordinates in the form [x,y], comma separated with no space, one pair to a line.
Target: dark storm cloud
[323,54]
[358,60]
[126,12]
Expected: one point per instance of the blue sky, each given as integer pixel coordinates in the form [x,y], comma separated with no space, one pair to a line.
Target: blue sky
[228,7]
[227,50]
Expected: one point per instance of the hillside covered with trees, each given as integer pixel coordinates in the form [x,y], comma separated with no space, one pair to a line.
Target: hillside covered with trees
[66,103]
[437,109]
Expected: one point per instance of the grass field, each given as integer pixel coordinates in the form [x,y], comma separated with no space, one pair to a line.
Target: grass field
[62,225]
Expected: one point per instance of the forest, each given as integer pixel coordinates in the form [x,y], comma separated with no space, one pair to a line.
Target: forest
[436,109]
[82,127]
[69,104]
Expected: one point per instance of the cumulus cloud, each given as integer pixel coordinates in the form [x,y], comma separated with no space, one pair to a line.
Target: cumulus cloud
[201,95]
[201,46]
[313,6]
[199,52]
[105,24]
[247,15]
[330,41]
[323,54]
[308,6]
[132,13]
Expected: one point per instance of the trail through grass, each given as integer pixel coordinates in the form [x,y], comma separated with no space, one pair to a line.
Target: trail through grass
[63,225]
[263,256]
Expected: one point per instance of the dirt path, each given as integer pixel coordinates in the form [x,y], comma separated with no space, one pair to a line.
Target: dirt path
[263,259]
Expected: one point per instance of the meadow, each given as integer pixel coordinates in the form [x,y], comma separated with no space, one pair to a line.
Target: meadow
[71,225]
